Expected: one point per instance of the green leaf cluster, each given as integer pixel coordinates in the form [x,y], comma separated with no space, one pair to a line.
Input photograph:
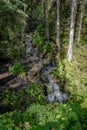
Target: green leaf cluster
[12,22]
[45,117]
[17,69]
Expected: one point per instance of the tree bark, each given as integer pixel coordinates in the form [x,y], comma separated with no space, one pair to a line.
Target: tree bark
[58,25]
[23,28]
[72,27]
[46,14]
[81,17]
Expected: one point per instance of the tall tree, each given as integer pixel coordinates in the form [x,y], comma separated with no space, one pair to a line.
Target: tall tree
[46,14]
[72,27]
[23,28]
[50,4]
[81,18]
[58,25]
[12,22]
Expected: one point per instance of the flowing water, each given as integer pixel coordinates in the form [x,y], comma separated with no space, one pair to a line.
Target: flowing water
[28,47]
[53,88]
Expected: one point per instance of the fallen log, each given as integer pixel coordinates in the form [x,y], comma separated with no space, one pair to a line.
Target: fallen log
[34,73]
[37,67]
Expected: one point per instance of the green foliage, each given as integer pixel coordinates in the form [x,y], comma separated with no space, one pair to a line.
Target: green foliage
[57,116]
[14,100]
[6,121]
[10,99]
[12,120]
[36,92]
[27,108]
[42,44]
[45,117]
[12,22]
[39,115]
[83,39]
[16,69]
[60,72]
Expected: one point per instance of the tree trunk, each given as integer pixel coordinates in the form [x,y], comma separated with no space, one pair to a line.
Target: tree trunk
[50,4]
[81,17]
[46,14]
[23,28]
[72,26]
[58,25]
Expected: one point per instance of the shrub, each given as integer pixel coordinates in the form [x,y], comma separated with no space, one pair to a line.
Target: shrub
[16,69]
[36,92]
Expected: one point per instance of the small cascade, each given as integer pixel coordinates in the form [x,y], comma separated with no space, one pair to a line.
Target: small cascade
[28,47]
[53,89]
[53,92]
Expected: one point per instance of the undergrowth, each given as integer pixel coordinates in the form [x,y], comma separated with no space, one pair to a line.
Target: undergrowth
[27,109]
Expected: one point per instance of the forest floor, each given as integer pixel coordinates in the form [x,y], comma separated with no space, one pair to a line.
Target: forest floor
[33,65]
[76,76]
[24,105]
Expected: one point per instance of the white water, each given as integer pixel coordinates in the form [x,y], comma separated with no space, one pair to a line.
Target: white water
[53,92]
[29,47]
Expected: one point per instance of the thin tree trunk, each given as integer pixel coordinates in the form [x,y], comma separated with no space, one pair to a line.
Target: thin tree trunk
[72,26]
[23,28]
[58,25]
[46,13]
[50,4]
[81,17]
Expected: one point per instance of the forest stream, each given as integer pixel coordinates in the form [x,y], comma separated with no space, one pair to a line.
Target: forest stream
[38,70]
[41,72]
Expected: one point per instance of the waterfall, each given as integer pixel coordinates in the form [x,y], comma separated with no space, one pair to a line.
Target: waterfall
[28,47]
[54,93]
[53,89]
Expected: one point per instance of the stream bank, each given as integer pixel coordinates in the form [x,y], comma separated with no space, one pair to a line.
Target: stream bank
[40,71]
[39,67]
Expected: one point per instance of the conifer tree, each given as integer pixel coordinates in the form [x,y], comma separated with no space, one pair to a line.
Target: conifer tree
[72,28]
[12,21]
